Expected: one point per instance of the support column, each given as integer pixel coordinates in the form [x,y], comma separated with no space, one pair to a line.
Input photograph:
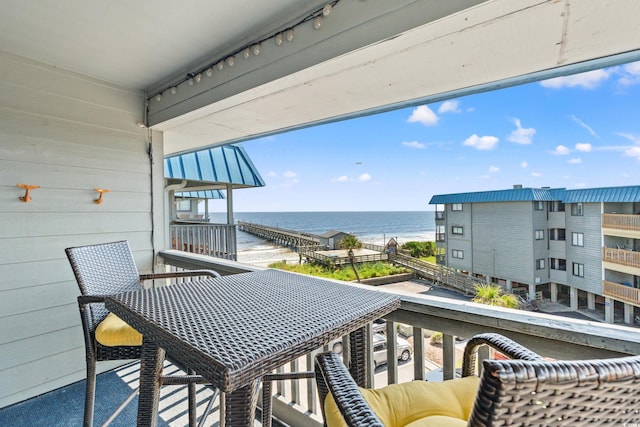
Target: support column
[509,286]
[488,279]
[554,292]
[573,298]
[591,301]
[628,314]
[532,291]
[608,309]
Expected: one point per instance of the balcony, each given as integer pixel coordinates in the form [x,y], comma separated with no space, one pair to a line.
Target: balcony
[621,225]
[297,404]
[216,240]
[440,237]
[627,259]
[621,292]
[439,215]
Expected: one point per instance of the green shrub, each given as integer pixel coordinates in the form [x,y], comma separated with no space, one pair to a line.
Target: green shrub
[420,249]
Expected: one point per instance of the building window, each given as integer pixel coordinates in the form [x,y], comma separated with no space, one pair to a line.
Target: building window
[578,269]
[539,234]
[557,234]
[457,253]
[183,205]
[558,264]
[456,229]
[456,207]
[576,209]
[539,206]
[540,264]
[577,239]
[556,207]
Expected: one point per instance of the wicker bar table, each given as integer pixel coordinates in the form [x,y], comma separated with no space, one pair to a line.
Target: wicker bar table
[235,329]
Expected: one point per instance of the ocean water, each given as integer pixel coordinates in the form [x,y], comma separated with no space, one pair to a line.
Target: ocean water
[369,227]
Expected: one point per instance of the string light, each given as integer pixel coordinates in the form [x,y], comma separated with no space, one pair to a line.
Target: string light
[255,47]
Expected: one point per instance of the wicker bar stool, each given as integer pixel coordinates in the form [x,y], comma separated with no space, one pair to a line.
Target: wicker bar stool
[525,391]
[107,269]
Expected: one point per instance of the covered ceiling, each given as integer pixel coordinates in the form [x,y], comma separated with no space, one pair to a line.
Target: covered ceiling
[315,61]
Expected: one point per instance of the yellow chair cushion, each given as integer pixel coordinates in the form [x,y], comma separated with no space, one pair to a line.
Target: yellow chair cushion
[416,404]
[114,332]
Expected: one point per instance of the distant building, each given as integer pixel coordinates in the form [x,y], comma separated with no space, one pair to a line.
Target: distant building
[332,238]
[581,246]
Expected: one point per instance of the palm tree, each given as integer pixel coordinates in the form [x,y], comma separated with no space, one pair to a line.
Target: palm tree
[493,295]
[351,242]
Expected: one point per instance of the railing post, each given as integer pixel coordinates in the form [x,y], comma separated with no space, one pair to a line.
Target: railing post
[419,372]
[448,357]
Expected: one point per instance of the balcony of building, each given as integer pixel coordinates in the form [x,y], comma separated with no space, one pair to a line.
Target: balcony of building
[622,225]
[622,260]
[295,403]
[621,292]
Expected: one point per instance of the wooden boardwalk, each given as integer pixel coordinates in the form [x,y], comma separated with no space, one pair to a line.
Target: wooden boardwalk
[307,245]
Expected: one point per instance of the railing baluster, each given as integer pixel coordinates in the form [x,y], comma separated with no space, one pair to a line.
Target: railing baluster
[419,371]
[448,357]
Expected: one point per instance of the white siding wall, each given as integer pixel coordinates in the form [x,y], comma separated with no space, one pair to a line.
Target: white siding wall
[68,134]
[590,224]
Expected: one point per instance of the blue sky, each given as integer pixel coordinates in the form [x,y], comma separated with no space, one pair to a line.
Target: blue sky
[579,131]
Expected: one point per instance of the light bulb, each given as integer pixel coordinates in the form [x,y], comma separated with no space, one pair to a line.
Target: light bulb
[220,65]
[173,90]
[326,10]
[246,53]
[317,23]
[290,35]
[279,39]
[256,49]
[190,81]
[231,61]
[158,97]
[198,77]
[209,72]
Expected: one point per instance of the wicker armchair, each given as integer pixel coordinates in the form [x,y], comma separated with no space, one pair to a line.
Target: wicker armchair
[526,391]
[107,269]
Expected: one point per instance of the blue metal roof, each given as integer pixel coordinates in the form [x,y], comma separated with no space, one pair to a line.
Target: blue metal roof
[227,164]
[511,195]
[202,194]
[586,195]
[605,194]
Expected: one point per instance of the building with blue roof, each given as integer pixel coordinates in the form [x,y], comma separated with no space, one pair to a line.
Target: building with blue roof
[579,246]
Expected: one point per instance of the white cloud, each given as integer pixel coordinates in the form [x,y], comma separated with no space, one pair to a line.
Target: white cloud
[575,161]
[413,144]
[342,178]
[364,177]
[289,174]
[633,138]
[494,169]
[630,74]
[449,107]
[633,152]
[588,80]
[424,115]
[536,174]
[561,150]
[272,173]
[584,147]
[580,185]
[481,142]
[584,125]
[524,164]
[521,135]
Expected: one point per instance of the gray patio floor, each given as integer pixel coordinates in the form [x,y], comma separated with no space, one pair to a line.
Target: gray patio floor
[64,407]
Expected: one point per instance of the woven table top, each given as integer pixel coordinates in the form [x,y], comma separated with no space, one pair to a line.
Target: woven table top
[234,329]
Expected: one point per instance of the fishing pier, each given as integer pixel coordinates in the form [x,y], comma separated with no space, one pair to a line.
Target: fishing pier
[310,246]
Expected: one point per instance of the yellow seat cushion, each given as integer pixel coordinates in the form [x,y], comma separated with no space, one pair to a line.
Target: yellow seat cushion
[114,332]
[416,404]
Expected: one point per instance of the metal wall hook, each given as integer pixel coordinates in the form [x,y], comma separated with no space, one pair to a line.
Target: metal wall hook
[27,197]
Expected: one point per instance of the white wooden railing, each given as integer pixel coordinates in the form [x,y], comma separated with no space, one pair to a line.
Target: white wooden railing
[216,240]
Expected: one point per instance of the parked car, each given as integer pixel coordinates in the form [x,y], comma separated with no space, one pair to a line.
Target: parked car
[404,350]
